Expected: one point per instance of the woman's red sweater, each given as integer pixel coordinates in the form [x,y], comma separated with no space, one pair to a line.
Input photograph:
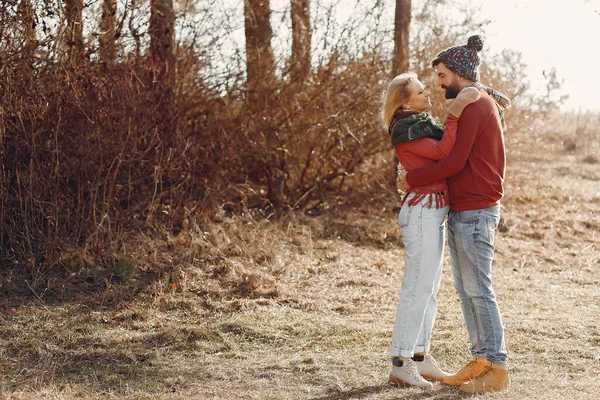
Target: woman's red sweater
[424,152]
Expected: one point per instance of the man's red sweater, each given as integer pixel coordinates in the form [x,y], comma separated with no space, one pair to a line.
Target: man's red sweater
[475,167]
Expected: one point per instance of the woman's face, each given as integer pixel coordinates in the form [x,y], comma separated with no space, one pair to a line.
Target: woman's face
[420,99]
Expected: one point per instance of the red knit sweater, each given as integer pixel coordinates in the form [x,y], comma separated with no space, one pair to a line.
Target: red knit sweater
[475,168]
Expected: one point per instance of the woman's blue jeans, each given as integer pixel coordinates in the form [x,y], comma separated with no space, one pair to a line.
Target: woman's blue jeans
[471,245]
[423,234]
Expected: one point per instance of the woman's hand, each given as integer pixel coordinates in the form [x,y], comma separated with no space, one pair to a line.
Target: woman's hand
[466,96]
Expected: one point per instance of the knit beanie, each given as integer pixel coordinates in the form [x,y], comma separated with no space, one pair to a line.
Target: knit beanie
[462,60]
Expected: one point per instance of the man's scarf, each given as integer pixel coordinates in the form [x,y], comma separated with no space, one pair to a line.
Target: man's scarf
[406,127]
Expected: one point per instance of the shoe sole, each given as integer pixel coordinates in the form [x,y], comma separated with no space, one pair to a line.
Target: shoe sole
[484,390]
[399,382]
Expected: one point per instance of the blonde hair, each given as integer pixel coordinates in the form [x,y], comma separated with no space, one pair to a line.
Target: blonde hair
[396,94]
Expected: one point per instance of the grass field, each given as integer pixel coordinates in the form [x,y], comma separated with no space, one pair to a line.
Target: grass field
[303,308]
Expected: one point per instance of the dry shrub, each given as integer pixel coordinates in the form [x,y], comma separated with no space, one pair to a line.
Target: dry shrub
[92,152]
[317,138]
[84,158]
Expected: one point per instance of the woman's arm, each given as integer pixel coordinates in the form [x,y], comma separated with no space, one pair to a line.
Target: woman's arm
[437,150]
[431,148]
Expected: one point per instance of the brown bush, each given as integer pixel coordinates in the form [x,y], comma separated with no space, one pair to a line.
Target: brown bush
[92,150]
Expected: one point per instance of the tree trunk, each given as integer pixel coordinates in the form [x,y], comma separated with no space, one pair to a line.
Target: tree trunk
[301,37]
[162,42]
[108,30]
[260,80]
[74,31]
[260,63]
[401,32]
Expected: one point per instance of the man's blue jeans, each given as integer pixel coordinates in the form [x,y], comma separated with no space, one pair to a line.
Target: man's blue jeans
[471,245]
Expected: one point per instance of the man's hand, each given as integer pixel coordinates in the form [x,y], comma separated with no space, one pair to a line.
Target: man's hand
[401,182]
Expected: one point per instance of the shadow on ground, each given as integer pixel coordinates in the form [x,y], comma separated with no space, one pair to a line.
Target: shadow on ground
[439,392]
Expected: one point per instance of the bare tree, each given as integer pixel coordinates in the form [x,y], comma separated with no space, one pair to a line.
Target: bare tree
[162,41]
[108,30]
[260,63]
[74,31]
[260,79]
[401,33]
[301,38]
[27,17]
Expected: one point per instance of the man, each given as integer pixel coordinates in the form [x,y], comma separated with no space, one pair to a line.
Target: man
[475,174]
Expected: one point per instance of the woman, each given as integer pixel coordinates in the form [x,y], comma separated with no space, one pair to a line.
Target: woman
[419,140]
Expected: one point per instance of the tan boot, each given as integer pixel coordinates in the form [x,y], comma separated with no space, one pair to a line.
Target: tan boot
[468,372]
[494,377]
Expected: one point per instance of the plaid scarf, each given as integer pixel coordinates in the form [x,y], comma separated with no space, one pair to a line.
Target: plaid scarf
[501,100]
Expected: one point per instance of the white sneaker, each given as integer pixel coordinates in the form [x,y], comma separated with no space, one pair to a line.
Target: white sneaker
[405,373]
[429,369]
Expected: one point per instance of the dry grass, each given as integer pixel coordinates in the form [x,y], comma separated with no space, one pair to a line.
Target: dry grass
[303,308]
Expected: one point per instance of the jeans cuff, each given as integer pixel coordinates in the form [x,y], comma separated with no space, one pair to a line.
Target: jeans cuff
[402,353]
[421,349]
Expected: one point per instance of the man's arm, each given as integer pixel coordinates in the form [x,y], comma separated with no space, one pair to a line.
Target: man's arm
[471,123]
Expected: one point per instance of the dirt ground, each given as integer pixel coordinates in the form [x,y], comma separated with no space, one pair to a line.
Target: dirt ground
[303,308]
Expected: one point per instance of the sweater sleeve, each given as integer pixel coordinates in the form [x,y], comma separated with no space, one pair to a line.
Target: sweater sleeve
[431,148]
[472,121]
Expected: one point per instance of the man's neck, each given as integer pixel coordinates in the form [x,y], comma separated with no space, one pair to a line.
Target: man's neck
[466,83]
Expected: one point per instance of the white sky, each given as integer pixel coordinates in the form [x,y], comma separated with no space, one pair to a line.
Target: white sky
[551,33]
[563,34]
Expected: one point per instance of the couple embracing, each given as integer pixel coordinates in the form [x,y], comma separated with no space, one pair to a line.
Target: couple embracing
[455,171]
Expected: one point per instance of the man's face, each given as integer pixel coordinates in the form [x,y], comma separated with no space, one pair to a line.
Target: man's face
[448,81]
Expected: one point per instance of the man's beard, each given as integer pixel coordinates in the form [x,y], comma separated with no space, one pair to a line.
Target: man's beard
[452,90]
